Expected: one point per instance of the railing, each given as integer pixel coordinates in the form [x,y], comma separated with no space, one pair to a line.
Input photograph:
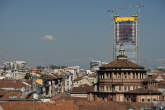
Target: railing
[120,80]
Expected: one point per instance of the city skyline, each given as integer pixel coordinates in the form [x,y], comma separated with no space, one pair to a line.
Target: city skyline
[74,32]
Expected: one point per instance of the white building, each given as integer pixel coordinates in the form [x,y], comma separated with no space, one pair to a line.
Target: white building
[15,65]
[15,69]
[95,64]
[68,81]
[75,70]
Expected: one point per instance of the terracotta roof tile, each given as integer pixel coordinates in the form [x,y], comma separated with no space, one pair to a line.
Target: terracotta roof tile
[103,106]
[11,94]
[122,64]
[28,106]
[155,76]
[82,89]
[72,105]
[11,84]
[2,92]
[79,78]
[60,97]
[52,76]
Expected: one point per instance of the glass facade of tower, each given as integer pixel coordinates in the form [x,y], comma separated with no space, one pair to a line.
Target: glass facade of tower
[125,32]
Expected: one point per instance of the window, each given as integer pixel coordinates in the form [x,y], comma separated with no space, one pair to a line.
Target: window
[101,88]
[107,75]
[137,75]
[12,97]
[133,76]
[154,99]
[148,100]
[111,99]
[125,88]
[67,82]
[125,76]
[107,88]
[119,88]
[142,99]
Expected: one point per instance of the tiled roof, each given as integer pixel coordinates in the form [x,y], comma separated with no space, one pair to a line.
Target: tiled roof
[80,78]
[27,106]
[52,76]
[60,97]
[82,89]
[160,74]
[2,92]
[62,105]
[10,94]
[122,64]
[11,84]
[72,105]
[103,106]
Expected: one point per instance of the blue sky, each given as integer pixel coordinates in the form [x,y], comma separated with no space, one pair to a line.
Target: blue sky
[73,32]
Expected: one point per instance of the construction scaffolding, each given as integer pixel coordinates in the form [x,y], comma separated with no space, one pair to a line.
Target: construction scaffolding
[125,31]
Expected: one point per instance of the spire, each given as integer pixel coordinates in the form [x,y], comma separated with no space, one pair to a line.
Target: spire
[122,55]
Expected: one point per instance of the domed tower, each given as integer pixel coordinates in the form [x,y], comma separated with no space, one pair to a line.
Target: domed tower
[118,77]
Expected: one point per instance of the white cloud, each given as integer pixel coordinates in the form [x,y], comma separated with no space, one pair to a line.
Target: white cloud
[48,37]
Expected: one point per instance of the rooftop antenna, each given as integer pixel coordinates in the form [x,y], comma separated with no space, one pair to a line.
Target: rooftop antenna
[112,40]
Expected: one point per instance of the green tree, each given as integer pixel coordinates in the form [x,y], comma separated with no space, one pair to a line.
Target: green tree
[28,76]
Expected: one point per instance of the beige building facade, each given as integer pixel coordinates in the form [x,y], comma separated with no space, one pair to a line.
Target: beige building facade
[116,80]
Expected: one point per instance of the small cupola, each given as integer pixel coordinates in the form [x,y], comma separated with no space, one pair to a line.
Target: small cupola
[122,55]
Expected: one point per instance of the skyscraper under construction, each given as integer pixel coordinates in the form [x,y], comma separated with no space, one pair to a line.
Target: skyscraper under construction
[125,33]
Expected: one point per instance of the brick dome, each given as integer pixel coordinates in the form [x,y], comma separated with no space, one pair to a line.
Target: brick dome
[122,64]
